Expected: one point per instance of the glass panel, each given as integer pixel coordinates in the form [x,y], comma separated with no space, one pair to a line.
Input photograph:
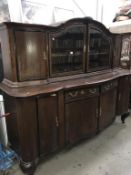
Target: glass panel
[99,50]
[67,50]
[125,53]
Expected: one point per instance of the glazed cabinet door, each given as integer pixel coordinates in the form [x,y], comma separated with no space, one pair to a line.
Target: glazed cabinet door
[31,55]
[67,50]
[81,118]
[107,104]
[48,123]
[123,95]
[99,50]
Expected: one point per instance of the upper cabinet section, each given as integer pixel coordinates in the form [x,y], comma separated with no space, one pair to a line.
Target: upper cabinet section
[37,52]
[99,49]
[24,52]
[67,50]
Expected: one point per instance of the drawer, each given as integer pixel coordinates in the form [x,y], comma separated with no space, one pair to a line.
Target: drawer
[109,85]
[82,93]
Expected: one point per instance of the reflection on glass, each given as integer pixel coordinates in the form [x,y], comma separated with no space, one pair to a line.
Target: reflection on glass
[125,53]
[67,50]
[99,50]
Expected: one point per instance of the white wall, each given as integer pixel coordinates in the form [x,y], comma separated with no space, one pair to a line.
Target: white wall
[108,11]
[47,11]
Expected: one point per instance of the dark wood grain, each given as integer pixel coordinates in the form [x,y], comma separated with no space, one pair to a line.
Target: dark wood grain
[123,95]
[116,50]
[81,119]
[27,129]
[31,55]
[61,117]
[107,107]
[48,123]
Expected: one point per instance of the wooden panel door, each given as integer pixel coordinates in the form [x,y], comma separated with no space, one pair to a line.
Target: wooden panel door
[48,124]
[107,108]
[31,55]
[123,95]
[81,119]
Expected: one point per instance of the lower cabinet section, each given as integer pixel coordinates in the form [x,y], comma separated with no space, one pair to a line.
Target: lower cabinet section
[48,122]
[81,119]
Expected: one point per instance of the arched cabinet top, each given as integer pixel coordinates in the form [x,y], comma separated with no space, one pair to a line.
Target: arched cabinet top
[64,24]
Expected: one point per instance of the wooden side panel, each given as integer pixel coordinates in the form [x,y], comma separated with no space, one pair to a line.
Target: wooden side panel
[81,119]
[27,128]
[117,50]
[31,55]
[61,109]
[8,64]
[107,108]
[123,95]
[11,121]
[48,124]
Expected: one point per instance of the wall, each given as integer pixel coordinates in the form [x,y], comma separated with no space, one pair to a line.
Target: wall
[4,11]
[47,11]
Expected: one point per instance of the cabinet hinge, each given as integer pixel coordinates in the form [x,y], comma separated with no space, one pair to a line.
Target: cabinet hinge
[44,56]
[57,121]
[119,97]
[100,111]
[97,113]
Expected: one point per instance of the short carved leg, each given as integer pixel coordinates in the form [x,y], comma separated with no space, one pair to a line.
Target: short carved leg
[124,116]
[28,167]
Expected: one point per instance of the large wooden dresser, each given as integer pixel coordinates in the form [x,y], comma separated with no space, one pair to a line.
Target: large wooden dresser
[61,84]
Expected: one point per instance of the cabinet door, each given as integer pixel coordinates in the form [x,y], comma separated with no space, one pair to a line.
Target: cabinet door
[123,95]
[48,124]
[81,119]
[99,51]
[67,51]
[31,55]
[107,108]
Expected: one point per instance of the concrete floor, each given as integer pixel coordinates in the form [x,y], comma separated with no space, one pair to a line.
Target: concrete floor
[109,153]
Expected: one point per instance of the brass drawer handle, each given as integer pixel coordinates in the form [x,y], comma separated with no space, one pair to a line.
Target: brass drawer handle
[73,94]
[107,87]
[92,91]
[53,95]
[82,92]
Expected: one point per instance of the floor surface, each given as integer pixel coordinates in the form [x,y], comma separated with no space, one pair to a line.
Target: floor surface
[109,153]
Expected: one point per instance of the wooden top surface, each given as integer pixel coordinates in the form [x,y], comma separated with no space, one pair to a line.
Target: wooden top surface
[121,27]
[29,91]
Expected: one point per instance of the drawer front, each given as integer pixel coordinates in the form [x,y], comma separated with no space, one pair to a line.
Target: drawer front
[81,93]
[109,85]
